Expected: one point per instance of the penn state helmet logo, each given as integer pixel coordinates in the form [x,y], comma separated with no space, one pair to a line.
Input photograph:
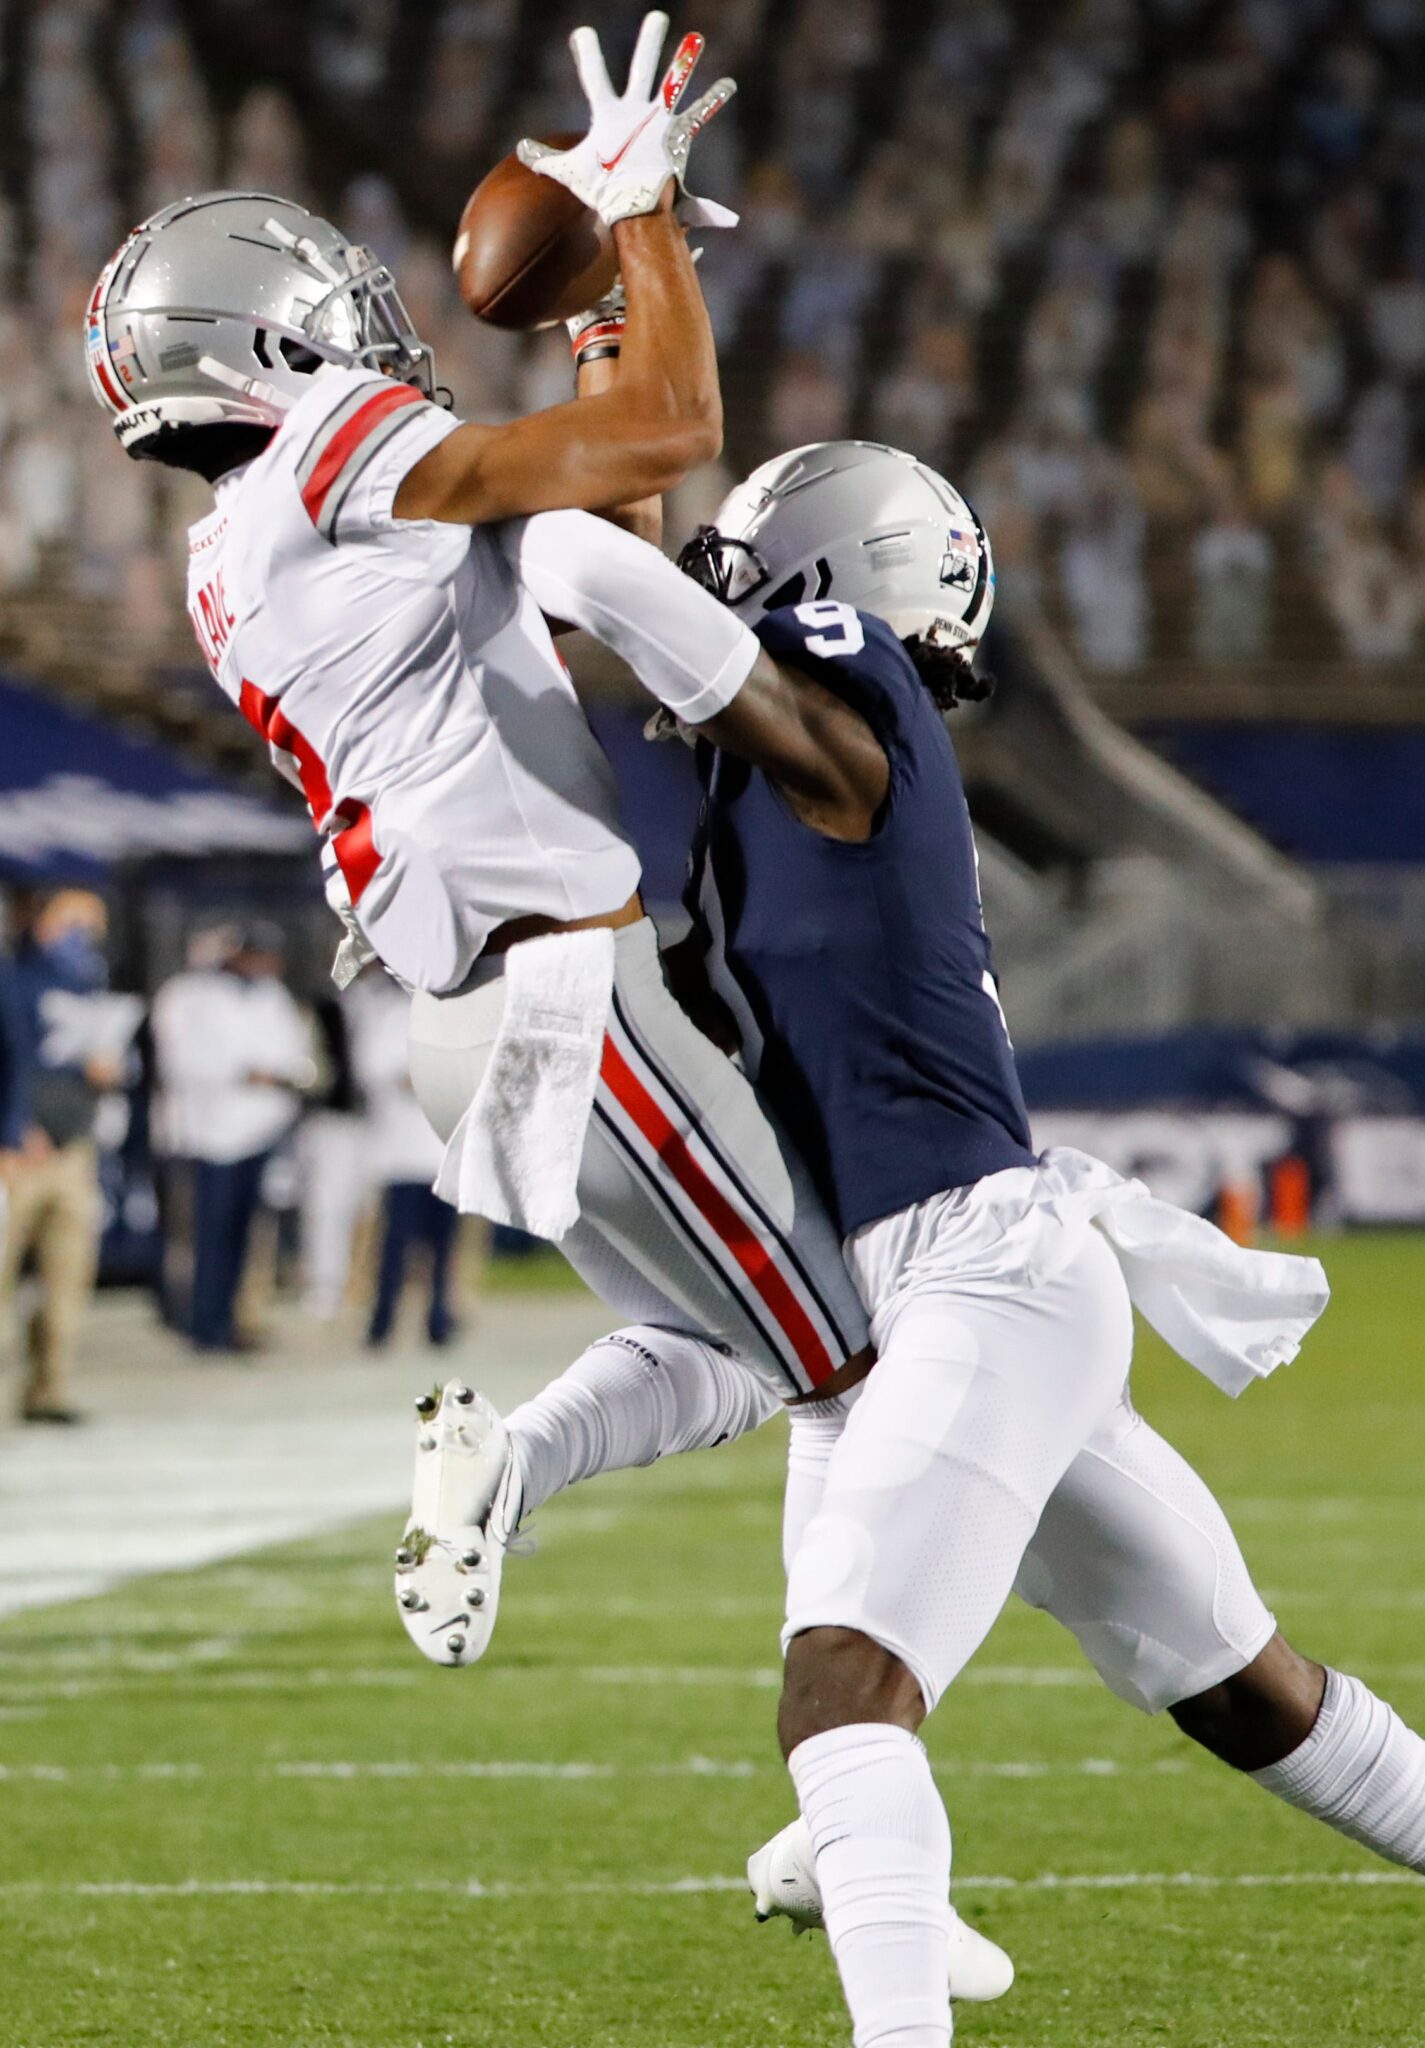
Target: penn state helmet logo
[959,565]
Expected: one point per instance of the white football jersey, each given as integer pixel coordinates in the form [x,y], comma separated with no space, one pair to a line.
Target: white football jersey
[403,675]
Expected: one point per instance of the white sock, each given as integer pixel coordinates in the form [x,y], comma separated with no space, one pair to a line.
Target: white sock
[1361,1770]
[631,1399]
[882,1844]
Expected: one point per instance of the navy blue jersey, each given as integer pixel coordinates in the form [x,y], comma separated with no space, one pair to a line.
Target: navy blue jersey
[860,973]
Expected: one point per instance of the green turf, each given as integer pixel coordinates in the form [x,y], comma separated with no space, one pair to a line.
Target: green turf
[181,1709]
[542,1271]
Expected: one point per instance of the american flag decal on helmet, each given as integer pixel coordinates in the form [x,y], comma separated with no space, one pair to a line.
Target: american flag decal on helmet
[96,341]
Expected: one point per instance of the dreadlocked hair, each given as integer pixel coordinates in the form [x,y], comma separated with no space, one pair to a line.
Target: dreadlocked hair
[948,673]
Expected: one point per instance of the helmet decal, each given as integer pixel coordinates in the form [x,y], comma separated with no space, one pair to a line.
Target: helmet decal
[96,341]
[982,570]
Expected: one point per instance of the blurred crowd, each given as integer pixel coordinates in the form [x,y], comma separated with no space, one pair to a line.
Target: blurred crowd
[1146,276]
[249,1131]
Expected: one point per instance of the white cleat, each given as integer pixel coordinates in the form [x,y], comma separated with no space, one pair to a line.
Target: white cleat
[782,1879]
[464,1512]
[980,1971]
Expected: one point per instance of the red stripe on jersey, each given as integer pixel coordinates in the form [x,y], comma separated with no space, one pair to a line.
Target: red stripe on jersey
[736,1232]
[266,715]
[355,850]
[342,445]
[355,844]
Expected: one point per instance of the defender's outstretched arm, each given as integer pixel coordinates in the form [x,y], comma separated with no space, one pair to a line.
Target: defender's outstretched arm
[597,339]
[818,750]
[704,665]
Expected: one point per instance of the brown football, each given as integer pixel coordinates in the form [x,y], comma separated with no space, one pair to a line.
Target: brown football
[528,252]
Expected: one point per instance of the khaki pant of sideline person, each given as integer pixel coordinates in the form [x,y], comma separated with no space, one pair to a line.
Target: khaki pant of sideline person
[52,1211]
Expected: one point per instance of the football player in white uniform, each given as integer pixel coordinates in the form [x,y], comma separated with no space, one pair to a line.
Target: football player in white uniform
[371,592]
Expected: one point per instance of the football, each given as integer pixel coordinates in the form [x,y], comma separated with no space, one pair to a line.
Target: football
[528,252]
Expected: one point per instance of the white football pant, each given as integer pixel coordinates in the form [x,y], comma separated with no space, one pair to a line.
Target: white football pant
[994,1447]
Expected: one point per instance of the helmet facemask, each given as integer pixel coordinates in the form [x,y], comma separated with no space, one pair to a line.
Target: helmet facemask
[363,318]
[730,569]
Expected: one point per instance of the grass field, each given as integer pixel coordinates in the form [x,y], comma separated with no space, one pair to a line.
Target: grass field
[236,1811]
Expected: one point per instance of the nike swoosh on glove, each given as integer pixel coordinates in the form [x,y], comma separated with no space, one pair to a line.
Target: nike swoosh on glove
[637,140]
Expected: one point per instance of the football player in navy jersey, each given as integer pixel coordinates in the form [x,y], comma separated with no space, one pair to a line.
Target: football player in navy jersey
[994,1445]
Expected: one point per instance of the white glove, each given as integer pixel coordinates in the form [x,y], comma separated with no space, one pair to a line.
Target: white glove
[638,141]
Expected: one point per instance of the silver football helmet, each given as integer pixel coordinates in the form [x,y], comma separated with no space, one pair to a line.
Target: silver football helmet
[855,521]
[223,306]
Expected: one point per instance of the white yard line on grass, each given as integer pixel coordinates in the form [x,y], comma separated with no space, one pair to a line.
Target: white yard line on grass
[769,1676]
[474,1888]
[207,1680]
[759,1677]
[537,1768]
[1409,1600]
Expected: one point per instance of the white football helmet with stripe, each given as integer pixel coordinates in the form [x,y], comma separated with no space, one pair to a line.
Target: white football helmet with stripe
[859,522]
[221,308]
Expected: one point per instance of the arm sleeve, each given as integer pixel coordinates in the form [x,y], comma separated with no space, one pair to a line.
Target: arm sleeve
[687,650]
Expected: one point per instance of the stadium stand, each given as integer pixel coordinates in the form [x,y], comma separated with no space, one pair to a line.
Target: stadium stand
[1144,275]
[1148,275]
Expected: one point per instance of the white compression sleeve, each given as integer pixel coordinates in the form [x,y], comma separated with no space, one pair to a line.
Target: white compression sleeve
[813,1434]
[632,1398]
[687,650]
[1361,1770]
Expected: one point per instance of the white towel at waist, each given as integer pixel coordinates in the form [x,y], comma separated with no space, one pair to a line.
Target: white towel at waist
[514,1156]
[1233,1313]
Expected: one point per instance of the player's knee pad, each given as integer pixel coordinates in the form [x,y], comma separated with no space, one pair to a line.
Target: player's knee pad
[922,1523]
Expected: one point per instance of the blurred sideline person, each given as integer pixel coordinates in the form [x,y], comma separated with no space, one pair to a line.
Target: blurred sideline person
[334,1160]
[204,954]
[233,1056]
[404,1156]
[62,1059]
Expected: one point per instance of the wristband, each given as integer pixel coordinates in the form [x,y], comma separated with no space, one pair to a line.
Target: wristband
[598,333]
[601,354]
